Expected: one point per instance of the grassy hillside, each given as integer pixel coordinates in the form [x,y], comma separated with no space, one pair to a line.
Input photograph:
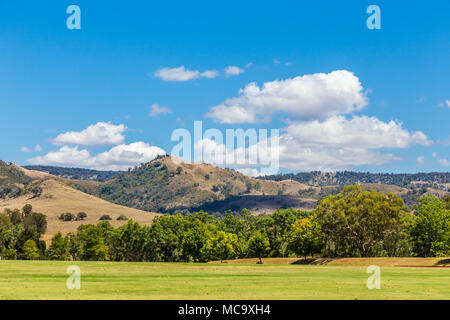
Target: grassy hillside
[107,280]
[12,181]
[165,185]
[56,198]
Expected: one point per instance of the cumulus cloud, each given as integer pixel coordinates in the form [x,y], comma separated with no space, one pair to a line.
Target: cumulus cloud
[357,132]
[334,144]
[38,148]
[120,157]
[314,96]
[64,156]
[420,159]
[25,149]
[156,110]
[101,133]
[233,70]
[447,102]
[123,156]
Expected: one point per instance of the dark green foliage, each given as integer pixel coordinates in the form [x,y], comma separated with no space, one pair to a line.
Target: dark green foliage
[122,217]
[59,248]
[36,222]
[430,231]
[317,178]
[67,216]
[105,217]
[355,221]
[81,216]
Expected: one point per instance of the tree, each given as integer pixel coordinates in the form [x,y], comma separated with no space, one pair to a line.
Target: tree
[221,246]
[59,248]
[92,243]
[81,215]
[67,216]
[15,216]
[5,221]
[9,254]
[359,220]
[258,245]
[27,210]
[105,217]
[194,240]
[305,237]
[36,222]
[30,250]
[122,217]
[430,230]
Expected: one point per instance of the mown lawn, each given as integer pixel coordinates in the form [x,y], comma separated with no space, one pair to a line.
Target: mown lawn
[111,280]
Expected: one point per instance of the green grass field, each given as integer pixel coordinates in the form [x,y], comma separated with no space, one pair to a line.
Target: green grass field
[109,280]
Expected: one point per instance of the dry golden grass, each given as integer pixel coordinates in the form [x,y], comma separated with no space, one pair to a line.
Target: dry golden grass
[58,198]
[382,262]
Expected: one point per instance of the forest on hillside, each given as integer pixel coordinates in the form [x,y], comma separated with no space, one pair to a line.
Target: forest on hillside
[340,178]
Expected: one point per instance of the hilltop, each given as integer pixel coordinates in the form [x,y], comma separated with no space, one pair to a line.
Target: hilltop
[169,185]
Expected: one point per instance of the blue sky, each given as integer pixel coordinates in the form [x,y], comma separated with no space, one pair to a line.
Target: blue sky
[56,82]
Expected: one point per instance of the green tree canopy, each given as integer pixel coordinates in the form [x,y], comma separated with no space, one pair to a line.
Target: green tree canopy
[305,237]
[59,248]
[258,245]
[430,231]
[360,219]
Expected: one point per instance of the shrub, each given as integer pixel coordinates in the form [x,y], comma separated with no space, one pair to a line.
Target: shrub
[81,216]
[67,216]
[122,217]
[105,217]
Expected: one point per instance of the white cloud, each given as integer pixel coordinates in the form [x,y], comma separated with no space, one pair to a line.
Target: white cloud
[120,157]
[334,144]
[156,110]
[177,74]
[358,132]
[233,70]
[37,148]
[123,156]
[64,156]
[182,74]
[444,162]
[25,149]
[447,102]
[434,155]
[420,159]
[101,133]
[251,172]
[210,74]
[314,96]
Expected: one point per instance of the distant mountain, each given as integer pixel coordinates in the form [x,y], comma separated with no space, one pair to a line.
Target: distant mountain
[77,173]
[438,180]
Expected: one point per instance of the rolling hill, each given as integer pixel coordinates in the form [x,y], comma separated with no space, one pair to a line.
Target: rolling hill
[168,185]
[55,196]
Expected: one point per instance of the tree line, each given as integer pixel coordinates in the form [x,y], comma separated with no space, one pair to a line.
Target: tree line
[353,223]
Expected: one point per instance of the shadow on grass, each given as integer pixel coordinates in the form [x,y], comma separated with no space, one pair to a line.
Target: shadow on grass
[443,262]
[314,261]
